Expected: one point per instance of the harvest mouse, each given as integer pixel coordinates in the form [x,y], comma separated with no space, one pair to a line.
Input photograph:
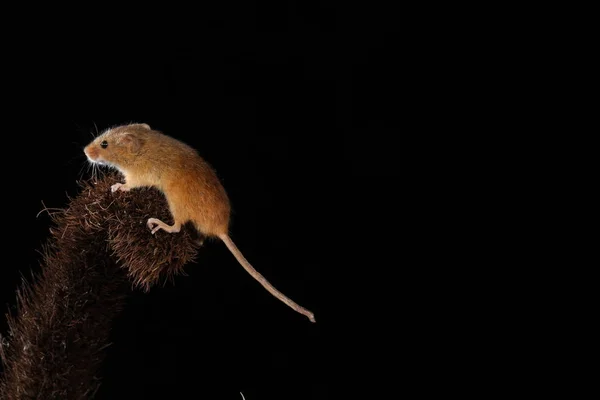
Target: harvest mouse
[147,157]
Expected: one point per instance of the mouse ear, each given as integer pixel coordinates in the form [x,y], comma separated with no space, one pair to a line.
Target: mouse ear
[132,142]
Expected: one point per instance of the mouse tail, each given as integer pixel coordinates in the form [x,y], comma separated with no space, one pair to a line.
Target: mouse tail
[256,275]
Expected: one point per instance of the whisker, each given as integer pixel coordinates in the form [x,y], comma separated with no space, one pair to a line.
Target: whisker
[82,170]
[73,159]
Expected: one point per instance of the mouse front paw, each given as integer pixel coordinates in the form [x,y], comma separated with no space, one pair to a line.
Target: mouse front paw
[119,186]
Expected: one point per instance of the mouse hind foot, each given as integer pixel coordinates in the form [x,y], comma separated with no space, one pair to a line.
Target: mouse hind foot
[156,224]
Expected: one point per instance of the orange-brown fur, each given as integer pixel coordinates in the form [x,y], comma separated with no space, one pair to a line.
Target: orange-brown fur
[147,157]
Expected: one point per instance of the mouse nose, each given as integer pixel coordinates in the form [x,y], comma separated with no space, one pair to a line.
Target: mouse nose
[90,152]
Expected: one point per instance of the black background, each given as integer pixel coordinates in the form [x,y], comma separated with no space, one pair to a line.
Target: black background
[290,103]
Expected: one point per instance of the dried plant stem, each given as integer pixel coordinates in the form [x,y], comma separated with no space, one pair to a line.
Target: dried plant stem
[59,334]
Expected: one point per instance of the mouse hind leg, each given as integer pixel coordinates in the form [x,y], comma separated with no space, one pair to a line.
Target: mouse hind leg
[178,214]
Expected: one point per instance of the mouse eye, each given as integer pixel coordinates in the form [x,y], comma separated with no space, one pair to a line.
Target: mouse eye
[104,144]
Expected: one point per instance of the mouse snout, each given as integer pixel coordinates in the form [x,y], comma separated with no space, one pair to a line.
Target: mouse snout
[91,153]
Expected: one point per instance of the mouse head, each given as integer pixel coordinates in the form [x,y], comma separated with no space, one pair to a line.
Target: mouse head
[118,147]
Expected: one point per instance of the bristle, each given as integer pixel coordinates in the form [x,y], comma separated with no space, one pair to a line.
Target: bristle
[98,249]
